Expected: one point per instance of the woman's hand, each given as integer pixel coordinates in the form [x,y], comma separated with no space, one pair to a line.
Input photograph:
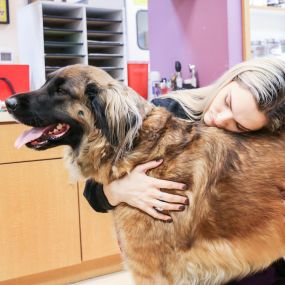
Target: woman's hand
[143,192]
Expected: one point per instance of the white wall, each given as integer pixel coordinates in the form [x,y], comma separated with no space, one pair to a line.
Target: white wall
[8,33]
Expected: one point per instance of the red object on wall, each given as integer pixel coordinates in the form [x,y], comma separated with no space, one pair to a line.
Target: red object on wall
[18,76]
[138,77]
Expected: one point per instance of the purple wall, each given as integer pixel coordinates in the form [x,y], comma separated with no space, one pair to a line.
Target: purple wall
[206,33]
[234,32]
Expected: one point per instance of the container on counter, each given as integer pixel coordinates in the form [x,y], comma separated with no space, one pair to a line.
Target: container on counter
[154,79]
[273,3]
[258,48]
[273,47]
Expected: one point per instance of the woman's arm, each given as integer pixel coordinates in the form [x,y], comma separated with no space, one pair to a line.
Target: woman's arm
[143,192]
[137,188]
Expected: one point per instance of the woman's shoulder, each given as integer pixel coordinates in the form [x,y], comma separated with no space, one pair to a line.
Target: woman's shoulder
[171,105]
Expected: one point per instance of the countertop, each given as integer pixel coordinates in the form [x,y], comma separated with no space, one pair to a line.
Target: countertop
[5,117]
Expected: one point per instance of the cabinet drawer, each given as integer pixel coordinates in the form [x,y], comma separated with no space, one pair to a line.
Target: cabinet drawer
[8,153]
[39,218]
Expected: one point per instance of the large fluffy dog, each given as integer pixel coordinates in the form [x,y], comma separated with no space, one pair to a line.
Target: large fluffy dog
[234,224]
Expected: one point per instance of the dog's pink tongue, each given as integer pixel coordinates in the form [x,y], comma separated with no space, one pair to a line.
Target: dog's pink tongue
[29,135]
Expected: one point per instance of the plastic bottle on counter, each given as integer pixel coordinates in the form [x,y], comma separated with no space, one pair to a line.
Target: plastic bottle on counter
[178,78]
[258,48]
[273,3]
[154,85]
[273,47]
[193,79]
[163,86]
[282,3]
[258,2]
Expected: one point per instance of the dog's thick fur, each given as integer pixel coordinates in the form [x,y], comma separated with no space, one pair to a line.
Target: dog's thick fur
[234,224]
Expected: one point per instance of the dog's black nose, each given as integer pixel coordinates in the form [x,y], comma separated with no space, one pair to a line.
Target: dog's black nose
[11,103]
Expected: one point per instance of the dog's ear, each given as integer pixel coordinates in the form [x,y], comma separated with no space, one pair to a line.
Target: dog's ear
[98,107]
[124,114]
[118,111]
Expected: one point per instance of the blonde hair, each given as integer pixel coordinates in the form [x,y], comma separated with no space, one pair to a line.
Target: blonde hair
[264,77]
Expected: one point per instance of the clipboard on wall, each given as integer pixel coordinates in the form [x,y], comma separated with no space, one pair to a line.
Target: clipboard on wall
[14,79]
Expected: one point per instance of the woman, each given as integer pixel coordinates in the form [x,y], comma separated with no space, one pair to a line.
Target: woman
[248,97]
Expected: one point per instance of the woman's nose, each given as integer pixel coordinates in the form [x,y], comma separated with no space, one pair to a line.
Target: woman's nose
[223,118]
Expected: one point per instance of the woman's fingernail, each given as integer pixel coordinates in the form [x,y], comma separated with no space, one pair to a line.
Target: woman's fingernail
[186,202]
[181,208]
[159,160]
[184,187]
[169,220]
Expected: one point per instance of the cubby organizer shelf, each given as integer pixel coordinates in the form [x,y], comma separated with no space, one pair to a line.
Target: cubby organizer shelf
[64,34]
[105,34]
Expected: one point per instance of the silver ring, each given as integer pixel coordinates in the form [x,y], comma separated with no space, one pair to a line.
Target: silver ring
[158,209]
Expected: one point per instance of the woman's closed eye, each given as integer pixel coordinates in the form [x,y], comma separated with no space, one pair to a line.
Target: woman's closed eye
[228,101]
[239,127]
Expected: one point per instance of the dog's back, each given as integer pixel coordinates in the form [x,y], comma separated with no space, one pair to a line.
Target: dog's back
[234,224]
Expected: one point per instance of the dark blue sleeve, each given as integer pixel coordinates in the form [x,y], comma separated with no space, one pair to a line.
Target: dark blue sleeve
[172,106]
[94,194]
[273,275]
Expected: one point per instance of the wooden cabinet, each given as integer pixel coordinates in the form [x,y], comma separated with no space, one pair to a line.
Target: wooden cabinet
[38,217]
[49,233]
[96,243]
[263,31]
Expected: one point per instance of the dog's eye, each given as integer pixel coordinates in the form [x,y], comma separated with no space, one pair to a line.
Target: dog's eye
[81,113]
[61,91]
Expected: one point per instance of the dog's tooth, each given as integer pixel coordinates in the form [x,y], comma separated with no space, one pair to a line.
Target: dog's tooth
[59,126]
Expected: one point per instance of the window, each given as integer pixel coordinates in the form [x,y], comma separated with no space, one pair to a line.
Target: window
[142,29]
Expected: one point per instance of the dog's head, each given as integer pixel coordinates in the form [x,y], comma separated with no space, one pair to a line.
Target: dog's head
[74,102]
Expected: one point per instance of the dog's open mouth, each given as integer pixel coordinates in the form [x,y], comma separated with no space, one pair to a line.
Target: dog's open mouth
[40,137]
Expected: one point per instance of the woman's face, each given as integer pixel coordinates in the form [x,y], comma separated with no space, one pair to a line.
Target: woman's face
[235,109]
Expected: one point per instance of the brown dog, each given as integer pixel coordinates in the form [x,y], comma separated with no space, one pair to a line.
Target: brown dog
[234,224]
